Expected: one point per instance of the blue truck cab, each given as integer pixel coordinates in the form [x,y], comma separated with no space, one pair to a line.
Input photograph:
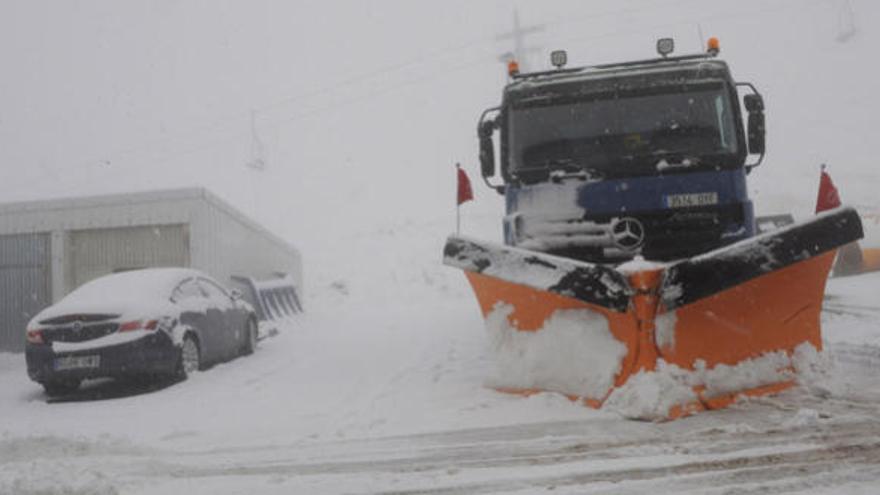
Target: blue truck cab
[608,162]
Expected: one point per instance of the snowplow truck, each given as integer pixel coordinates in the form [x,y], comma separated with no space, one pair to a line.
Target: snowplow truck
[630,244]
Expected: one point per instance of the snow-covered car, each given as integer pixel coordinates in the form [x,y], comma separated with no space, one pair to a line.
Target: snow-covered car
[156,322]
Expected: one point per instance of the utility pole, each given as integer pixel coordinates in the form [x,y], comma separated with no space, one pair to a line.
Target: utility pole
[846,22]
[257,161]
[520,50]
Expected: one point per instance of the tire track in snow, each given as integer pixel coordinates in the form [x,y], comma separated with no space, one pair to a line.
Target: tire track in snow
[716,473]
[864,358]
[773,456]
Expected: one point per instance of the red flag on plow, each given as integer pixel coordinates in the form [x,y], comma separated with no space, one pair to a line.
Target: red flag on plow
[851,258]
[465,193]
[828,196]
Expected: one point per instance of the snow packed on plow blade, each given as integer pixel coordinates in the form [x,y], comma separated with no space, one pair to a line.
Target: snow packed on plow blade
[732,321]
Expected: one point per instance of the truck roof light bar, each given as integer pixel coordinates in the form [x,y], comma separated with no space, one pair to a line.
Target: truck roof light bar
[667,45]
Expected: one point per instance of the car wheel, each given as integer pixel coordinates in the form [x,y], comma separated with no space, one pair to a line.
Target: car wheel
[250,335]
[190,356]
[56,388]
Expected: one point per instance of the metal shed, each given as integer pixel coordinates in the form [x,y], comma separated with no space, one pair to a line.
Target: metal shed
[48,248]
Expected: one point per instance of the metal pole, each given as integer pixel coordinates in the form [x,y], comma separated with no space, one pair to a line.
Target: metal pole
[457,203]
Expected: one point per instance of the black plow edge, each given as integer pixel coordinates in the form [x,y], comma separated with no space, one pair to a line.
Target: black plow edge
[702,276]
[594,284]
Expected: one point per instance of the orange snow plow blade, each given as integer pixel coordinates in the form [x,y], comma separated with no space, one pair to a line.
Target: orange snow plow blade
[728,320]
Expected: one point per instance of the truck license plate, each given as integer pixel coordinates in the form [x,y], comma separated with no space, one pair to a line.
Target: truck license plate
[77,362]
[696,199]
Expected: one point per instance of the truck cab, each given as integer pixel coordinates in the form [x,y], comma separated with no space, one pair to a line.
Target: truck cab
[607,162]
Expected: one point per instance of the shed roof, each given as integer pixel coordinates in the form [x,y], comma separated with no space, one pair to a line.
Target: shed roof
[139,198]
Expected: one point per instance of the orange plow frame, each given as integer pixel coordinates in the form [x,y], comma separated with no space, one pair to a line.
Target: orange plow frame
[771,304]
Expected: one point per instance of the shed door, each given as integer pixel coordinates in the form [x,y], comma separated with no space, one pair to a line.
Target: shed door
[24,285]
[96,252]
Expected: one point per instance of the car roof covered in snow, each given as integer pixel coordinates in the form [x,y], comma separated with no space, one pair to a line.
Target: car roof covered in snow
[148,289]
[135,284]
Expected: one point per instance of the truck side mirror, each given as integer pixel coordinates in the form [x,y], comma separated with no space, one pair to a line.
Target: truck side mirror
[487,157]
[487,149]
[754,103]
[756,131]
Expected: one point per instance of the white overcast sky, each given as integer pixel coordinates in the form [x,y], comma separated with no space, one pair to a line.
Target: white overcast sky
[363,107]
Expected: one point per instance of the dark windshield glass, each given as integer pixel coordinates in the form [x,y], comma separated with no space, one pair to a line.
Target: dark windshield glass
[616,133]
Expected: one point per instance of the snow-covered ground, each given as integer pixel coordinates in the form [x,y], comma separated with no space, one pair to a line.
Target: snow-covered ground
[379,388]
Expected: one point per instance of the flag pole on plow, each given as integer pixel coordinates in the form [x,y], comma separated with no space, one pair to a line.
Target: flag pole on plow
[464,194]
[850,260]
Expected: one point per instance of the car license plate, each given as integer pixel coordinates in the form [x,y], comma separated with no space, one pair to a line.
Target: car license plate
[77,362]
[687,200]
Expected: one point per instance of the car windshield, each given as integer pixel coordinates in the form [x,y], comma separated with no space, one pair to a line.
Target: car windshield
[616,132]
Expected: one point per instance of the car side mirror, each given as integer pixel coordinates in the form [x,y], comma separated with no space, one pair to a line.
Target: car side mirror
[236,294]
[756,130]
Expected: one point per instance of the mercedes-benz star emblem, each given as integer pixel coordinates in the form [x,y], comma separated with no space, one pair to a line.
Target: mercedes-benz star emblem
[77,326]
[628,233]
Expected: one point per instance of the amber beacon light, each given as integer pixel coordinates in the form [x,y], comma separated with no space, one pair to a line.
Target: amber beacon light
[512,68]
[713,46]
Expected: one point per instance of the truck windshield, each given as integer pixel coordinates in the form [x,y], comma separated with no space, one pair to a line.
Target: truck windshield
[621,134]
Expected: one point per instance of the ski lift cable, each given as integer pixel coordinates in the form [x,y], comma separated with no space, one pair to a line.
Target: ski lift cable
[615,12]
[379,92]
[691,21]
[277,123]
[230,124]
[429,56]
[233,120]
[238,136]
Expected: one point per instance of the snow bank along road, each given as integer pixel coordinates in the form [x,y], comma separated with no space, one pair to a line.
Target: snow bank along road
[361,397]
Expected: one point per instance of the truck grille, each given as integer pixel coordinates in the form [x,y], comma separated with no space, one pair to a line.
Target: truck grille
[72,333]
[669,235]
[686,233]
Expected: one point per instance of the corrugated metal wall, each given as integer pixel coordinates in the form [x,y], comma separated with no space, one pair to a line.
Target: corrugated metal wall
[225,244]
[24,285]
[96,252]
